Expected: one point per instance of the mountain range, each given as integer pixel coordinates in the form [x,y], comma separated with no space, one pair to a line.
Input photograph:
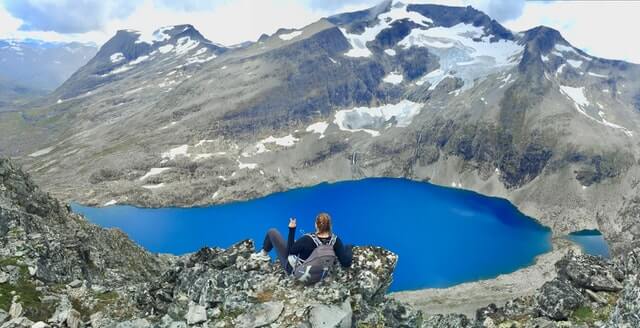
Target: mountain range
[426,92]
[31,68]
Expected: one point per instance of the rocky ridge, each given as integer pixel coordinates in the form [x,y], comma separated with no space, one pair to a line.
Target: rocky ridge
[58,270]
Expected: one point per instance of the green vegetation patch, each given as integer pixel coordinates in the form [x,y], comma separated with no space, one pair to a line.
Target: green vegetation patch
[29,297]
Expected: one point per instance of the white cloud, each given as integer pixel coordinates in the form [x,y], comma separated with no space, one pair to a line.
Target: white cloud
[8,24]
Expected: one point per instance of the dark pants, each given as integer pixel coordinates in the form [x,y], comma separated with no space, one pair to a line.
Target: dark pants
[274,239]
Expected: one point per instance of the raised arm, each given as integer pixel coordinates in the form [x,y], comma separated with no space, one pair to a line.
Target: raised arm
[292,236]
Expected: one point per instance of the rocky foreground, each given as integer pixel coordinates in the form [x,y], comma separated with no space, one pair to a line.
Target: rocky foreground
[58,270]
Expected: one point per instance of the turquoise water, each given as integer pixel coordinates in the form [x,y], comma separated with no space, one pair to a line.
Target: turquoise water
[443,236]
[591,241]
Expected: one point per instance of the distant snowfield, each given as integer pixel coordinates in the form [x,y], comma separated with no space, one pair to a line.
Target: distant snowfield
[577,95]
[319,128]
[175,152]
[372,119]
[290,36]
[154,171]
[117,57]
[250,166]
[393,78]
[151,187]
[286,141]
[464,51]
[358,42]
[41,152]
[185,44]
[155,36]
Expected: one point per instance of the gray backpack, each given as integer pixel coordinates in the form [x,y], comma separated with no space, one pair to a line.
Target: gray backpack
[319,263]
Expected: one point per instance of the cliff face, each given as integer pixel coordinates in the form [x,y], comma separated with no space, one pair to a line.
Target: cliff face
[57,269]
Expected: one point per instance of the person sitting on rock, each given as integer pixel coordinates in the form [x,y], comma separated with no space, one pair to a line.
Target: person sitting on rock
[310,258]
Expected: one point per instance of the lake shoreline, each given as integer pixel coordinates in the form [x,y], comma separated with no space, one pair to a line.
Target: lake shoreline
[466,298]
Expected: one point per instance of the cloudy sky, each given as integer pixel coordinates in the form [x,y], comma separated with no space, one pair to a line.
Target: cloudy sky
[602,28]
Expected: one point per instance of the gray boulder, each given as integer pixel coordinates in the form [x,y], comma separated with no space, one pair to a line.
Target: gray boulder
[197,314]
[331,316]
[137,323]
[590,272]
[260,315]
[557,299]
[21,322]
[3,316]
[15,311]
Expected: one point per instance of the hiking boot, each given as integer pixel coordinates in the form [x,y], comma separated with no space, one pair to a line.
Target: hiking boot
[261,256]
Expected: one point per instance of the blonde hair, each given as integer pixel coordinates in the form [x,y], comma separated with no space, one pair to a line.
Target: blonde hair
[323,223]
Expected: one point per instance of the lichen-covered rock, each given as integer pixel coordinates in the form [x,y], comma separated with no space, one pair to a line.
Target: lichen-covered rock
[330,316]
[196,314]
[449,321]
[558,298]
[626,313]
[628,264]
[260,315]
[591,272]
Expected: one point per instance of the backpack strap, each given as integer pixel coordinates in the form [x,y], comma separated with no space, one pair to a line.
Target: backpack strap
[315,239]
[318,242]
[333,240]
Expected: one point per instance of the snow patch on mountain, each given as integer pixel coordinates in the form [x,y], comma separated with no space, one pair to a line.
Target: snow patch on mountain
[138,60]
[319,128]
[290,36]
[154,171]
[466,37]
[166,48]
[390,52]
[574,63]
[117,57]
[41,152]
[286,141]
[155,36]
[372,119]
[155,186]
[359,41]
[393,78]
[250,166]
[577,95]
[465,52]
[185,44]
[175,152]
[598,75]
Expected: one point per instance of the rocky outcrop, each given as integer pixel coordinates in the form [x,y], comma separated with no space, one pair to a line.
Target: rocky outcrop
[232,288]
[588,292]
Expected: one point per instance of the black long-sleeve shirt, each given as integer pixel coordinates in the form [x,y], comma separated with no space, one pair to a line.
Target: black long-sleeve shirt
[305,245]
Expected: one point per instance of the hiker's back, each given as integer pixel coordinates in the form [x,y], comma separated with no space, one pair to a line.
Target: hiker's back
[318,265]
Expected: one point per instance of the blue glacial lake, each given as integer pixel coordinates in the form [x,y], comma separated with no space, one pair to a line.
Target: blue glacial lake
[444,236]
[591,241]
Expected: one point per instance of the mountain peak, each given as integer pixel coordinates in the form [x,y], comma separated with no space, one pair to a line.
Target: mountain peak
[543,38]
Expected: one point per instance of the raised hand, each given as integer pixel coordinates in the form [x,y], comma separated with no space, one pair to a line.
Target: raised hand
[292,223]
